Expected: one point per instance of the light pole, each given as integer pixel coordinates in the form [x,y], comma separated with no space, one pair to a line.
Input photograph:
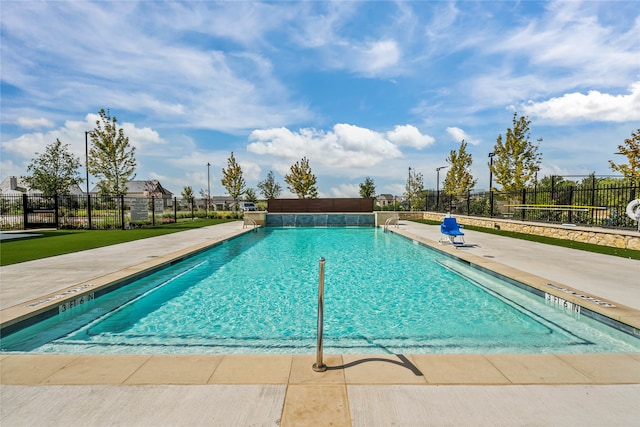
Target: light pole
[208,188]
[491,184]
[438,186]
[86,166]
[86,157]
[409,189]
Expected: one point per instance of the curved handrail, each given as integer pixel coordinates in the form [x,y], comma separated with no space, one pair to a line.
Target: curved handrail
[253,222]
[389,220]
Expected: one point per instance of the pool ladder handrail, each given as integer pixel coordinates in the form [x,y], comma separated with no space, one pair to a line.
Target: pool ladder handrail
[389,220]
[319,365]
[253,222]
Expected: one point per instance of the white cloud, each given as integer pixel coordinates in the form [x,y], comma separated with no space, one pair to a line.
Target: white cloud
[594,106]
[570,46]
[345,190]
[375,57]
[346,146]
[409,136]
[458,135]
[157,73]
[72,133]
[9,168]
[34,123]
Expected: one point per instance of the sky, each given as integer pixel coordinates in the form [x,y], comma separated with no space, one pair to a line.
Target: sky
[362,89]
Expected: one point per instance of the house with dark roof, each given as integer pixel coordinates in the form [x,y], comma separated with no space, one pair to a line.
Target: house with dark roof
[16,186]
[384,200]
[144,189]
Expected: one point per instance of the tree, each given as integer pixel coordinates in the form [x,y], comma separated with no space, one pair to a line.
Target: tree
[269,188]
[204,195]
[187,194]
[367,188]
[111,158]
[516,158]
[631,149]
[232,179]
[301,181]
[414,189]
[459,180]
[55,171]
[250,195]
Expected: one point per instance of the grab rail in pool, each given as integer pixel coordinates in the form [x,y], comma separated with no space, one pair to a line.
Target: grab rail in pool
[319,366]
[253,222]
[389,220]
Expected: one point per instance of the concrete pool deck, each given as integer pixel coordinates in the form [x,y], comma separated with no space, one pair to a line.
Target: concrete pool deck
[358,390]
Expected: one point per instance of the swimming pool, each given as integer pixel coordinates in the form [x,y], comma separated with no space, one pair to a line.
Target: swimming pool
[258,294]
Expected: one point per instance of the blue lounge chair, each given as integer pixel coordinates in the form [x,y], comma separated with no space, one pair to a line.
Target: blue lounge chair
[451,229]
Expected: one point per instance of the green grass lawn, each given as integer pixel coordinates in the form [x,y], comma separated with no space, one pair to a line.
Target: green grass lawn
[607,250]
[58,242]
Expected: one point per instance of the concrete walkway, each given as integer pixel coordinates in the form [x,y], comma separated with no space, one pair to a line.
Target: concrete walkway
[271,390]
[610,277]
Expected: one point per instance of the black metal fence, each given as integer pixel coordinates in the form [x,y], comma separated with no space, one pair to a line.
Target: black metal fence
[602,206]
[78,211]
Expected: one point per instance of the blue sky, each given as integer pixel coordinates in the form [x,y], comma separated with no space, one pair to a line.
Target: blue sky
[359,88]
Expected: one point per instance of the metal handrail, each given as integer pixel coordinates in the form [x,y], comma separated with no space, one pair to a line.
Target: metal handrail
[255,224]
[389,220]
[319,366]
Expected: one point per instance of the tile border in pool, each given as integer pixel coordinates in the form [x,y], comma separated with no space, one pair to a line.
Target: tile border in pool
[621,317]
[303,219]
[33,311]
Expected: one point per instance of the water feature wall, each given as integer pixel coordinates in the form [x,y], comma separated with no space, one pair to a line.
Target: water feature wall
[320,220]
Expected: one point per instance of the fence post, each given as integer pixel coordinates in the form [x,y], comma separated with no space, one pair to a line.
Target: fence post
[25,214]
[175,210]
[56,210]
[491,203]
[122,209]
[524,202]
[570,214]
[153,210]
[89,209]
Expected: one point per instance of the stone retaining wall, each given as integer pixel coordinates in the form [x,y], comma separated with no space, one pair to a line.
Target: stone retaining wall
[623,239]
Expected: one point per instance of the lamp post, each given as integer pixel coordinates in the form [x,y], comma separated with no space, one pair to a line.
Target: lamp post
[208,188]
[86,167]
[86,157]
[409,189]
[438,186]
[491,184]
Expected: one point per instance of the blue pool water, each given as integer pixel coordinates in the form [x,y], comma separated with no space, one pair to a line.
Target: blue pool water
[258,294]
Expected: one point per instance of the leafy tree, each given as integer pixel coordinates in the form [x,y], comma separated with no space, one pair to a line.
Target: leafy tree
[55,171]
[516,158]
[414,189]
[301,181]
[631,149]
[269,188]
[250,195]
[459,180]
[367,188]
[204,195]
[111,158]
[232,179]
[187,194]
